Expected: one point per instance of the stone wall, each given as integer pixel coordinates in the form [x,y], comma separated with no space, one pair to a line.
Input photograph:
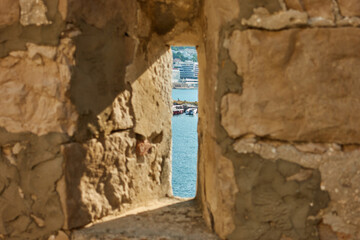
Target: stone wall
[279,141]
[85,114]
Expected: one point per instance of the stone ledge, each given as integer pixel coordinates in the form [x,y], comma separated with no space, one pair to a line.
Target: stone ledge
[166,219]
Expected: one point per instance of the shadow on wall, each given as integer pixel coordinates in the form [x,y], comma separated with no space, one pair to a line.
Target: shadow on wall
[102,57]
[109,61]
[121,86]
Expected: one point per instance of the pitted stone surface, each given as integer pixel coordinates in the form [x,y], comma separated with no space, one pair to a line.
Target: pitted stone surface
[34,85]
[156,93]
[295,84]
[30,166]
[294,4]
[273,202]
[339,171]
[9,12]
[349,8]
[33,12]
[108,177]
[263,19]
[319,8]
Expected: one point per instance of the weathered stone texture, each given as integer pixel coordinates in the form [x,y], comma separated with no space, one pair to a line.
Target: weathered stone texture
[107,177]
[34,85]
[339,174]
[271,205]
[349,8]
[33,12]
[319,8]
[99,12]
[320,12]
[283,19]
[296,82]
[30,166]
[126,105]
[63,8]
[155,93]
[9,12]
[294,4]
[93,88]
[248,7]
[121,116]
[209,151]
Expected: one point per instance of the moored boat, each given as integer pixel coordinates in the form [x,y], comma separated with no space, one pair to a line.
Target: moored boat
[177,109]
[193,111]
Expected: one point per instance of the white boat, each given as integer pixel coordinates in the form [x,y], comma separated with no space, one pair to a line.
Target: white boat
[193,111]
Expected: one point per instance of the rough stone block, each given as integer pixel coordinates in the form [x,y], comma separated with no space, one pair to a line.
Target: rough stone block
[319,8]
[156,94]
[99,12]
[9,12]
[106,178]
[29,205]
[263,19]
[294,4]
[33,86]
[33,12]
[349,8]
[296,84]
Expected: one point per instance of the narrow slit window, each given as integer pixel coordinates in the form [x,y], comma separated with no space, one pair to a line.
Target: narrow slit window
[184,121]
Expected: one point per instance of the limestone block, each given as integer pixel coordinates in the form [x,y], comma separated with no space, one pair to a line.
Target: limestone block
[319,8]
[341,180]
[121,117]
[349,8]
[185,9]
[269,205]
[227,190]
[294,4]
[9,12]
[296,82]
[33,86]
[108,178]
[33,12]
[263,19]
[340,174]
[99,12]
[29,205]
[151,99]
[63,8]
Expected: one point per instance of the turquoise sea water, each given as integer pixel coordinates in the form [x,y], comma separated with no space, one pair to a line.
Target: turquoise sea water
[190,95]
[185,147]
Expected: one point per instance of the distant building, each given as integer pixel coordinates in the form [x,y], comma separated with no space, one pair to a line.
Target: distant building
[189,70]
[177,61]
[175,75]
[196,70]
[192,83]
[177,65]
